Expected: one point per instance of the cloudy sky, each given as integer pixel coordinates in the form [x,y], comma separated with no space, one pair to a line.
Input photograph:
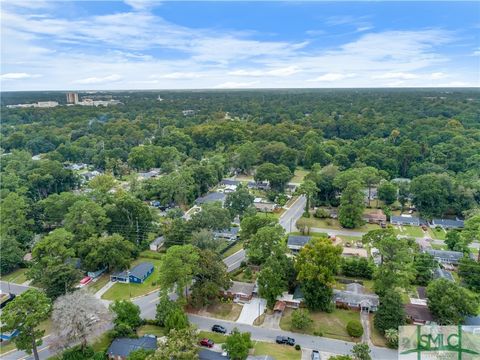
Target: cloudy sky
[55,45]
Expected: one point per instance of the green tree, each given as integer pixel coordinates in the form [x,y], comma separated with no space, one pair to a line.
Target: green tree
[14,220]
[350,214]
[469,271]
[239,201]
[126,313]
[471,231]
[102,183]
[456,242]
[271,283]
[246,156]
[212,217]
[12,255]
[165,306]
[361,352]
[449,302]
[85,219]
[238,344]
[113,252]
[392,338]
[424,265]
[176,319]
[181,344]
[317,264]
[177,269]
[140,354]
[59,279]
[210,278]
[252,223]
[301,319]
[203,239]
[390,313]
[277,175]
[25,313]
[262,245]
[309,189]
[387,192]
[431,194]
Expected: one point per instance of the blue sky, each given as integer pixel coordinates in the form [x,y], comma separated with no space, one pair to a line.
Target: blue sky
[135,44]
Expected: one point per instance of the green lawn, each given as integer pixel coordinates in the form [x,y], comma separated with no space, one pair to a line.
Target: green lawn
[332,325]
[151,330]
[127,291]
[437,234]
[17,276]
[6,347]
[238,246]
[93,287]
[102,343]
[278,352]
[375,336]
[334,224]
[413,231]
[215,337]
[299,175]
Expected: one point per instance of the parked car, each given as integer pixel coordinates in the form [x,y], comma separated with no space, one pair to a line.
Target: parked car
[207,343]
[219,329]
[285,340]
[315,355]
[5,299]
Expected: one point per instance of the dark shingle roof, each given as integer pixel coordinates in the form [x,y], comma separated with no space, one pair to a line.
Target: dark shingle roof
[298,240]
[230,182]
[124,346]
[472,320]
[211,197]
[418,312]
[448,223]
[442,274]
[404,219]
[141,270]
[444,254]
[211,355]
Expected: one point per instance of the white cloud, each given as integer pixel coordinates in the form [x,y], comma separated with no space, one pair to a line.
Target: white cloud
[396,75]
[99,80]
[280,72]
[235,85]
[437,75]
[476,52]
[180,75]
[14,76]
[141,5]
[332,77]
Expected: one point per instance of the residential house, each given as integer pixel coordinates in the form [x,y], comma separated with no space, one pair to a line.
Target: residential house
[355,297]
[373,194]
[296,242]
[136,275]
[8,335]
[447,223]
[89,175]
[96,274]
[405,220]
[122,347]
[418,314]
[211,198]
[240,291]
[440,273]
[188,112]
[375,217]
[230,234]
[260,185]
[446,256]
[151,174]
[206,354]
[290,300]
[354,251]
[229,182]
[290,188]
[263,205]
[156,244]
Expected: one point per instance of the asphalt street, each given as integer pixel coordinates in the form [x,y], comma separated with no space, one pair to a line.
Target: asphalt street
[292,214]
[8,287]
[233,261]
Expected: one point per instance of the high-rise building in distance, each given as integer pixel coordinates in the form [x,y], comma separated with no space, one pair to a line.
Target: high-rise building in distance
[72,98]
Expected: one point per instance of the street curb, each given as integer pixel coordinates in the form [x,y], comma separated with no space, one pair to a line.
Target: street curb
[140,296]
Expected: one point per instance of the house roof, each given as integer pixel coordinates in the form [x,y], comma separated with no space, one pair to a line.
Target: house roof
[472,320]
[448,223]
[418,312]
[298,240]
[124,346]
[353,297]
[141,270]
[375,216]
[445,254]
[279,306]
[205,354]
[404,219]
[231,231]
[230,182]
[211,197]
[422,292]
[158,241]
[443,274]
[241,288]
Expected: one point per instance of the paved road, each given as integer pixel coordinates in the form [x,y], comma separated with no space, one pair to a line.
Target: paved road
[233,261]
[16,289]
[345,232]
[292,214]
[43,353]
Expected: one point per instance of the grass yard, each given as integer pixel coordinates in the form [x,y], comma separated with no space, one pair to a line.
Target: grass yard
[127,291]
[151,330]
[215,337]
[220,310]
[242,278]
[238,246]
[278,352]
[6,347]
[332,325]
[299,175]
[16,277]
[93,287]
[413,231]
[102,343]
[437,234]
[334,224]
[150,254]
[375,336]
[439,247]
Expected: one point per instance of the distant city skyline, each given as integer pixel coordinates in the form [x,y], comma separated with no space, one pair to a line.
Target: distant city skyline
[113,45]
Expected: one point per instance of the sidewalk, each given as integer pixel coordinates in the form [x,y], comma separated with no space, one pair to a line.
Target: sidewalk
[104,289]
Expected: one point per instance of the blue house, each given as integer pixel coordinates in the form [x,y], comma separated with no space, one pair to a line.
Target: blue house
[136,275]
[7,336]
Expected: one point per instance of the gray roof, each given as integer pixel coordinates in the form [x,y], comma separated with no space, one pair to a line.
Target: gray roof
[124,346]
[211,197]
[448,223]
[229,182]
[445,254]
[231,231]
[440,273]
[205,354]
[238,287]
[472,320]
[298,240]
[158,241]
[355,297]
[141,270]
[404,219]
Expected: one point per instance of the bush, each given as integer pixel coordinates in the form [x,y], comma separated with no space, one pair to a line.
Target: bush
[318,333]
[301,319]
[247,274]
[321,213]
[297,347]
[355,328]
[79,353]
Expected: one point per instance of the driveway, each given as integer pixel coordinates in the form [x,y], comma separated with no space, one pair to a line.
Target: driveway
[272,321]
[251,311]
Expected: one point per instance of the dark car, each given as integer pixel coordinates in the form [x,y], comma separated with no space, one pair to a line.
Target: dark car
[5,299]
[207,342]
[219,329]
[285,340]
